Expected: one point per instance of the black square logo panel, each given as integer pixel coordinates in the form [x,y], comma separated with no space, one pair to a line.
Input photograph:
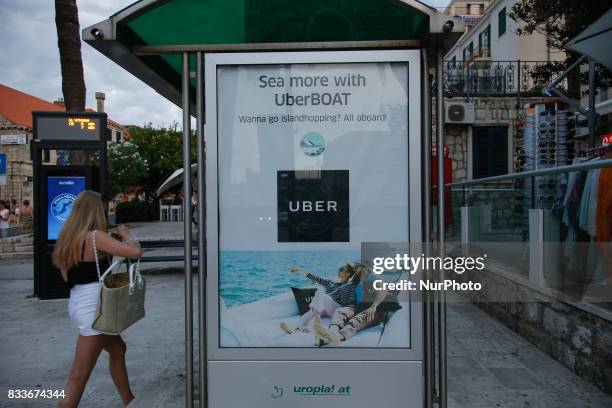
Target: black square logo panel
[313,206]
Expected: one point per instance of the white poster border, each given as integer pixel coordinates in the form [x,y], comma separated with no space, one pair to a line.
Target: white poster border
[212,61]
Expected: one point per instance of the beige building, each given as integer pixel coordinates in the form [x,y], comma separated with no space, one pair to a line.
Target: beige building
[493,37]
[488,79]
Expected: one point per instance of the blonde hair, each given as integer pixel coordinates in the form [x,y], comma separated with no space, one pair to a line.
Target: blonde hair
[87,215]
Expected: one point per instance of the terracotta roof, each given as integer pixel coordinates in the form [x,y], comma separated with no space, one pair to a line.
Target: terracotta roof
[18,106]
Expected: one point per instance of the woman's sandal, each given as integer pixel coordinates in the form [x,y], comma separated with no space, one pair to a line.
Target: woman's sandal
[285,328]
[326,335]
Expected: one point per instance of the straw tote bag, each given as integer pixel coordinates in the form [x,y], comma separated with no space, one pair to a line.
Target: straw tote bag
[122,296]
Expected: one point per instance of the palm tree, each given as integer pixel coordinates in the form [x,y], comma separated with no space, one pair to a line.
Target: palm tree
[69,45]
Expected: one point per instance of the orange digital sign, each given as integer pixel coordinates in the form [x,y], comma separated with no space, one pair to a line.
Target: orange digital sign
[82,123]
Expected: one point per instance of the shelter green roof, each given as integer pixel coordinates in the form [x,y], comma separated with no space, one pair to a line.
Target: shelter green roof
[146,38]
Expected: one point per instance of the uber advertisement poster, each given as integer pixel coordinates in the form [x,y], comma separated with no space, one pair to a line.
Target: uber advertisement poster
[61,194]
[312,162]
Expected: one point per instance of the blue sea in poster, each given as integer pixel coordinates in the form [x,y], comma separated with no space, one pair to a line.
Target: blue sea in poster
[247,276]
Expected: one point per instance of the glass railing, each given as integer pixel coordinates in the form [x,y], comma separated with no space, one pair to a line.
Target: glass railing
[548,229]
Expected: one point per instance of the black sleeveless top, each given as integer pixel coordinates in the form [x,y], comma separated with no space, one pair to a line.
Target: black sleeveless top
[85,271]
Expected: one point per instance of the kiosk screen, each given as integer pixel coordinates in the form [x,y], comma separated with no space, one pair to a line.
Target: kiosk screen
[61,193]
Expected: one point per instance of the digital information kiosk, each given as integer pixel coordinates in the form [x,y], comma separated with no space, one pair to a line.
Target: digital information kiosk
[57,184]
[310,154]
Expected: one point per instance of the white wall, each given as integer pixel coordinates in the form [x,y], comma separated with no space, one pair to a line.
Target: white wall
[504,48]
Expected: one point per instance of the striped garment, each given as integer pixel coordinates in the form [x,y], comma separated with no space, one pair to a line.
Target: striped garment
[343,293]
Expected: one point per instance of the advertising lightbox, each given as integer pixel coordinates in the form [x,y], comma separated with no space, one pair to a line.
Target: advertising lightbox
[310,156]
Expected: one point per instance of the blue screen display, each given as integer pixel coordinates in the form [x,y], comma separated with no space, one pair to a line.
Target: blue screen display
[61,193]
[3,163]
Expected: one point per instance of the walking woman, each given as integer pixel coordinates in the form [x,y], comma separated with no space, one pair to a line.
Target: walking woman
[75,258]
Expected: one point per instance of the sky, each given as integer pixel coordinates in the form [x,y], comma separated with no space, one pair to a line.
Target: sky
[29,61]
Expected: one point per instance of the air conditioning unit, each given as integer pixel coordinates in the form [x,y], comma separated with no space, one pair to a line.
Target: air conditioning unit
[460,112]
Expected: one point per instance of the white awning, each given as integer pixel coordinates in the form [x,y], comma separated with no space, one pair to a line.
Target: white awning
[175,179]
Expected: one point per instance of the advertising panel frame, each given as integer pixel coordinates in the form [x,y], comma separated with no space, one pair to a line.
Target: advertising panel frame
[214,60]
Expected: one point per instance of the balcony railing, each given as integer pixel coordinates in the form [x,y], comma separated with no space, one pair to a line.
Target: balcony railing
[492,78]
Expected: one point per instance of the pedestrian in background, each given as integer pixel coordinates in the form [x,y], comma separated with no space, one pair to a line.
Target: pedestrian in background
[83,245]
[26,217]
[5,215]
[26,209]
[15,212]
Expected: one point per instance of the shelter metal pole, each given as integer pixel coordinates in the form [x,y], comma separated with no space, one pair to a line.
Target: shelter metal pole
[187,236]
[426,169]
[201,156]
[442,293]
[592,113]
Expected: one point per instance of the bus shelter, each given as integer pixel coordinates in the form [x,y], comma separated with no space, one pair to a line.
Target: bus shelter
[314,135]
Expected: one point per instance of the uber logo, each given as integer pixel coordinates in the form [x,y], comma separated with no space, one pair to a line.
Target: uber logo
[294,206]
[313,206]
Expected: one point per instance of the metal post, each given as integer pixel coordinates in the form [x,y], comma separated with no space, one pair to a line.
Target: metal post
[518,82]
[592,113]
[428,337]
[187,235]
[467,81]
[442,294]
[201,156]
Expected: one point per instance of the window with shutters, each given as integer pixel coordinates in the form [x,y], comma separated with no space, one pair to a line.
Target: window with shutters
[501,19]
[489,151]
[484,42]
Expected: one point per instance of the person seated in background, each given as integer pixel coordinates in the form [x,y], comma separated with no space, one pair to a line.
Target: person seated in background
[325,302]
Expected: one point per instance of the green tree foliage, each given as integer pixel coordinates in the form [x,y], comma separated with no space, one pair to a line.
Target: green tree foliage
[126,167]
[560,21]
[162,148]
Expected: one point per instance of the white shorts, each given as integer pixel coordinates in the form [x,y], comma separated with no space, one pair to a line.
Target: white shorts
[82,307]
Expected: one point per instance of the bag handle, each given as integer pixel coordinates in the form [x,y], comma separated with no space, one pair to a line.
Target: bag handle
[95,251]
[133,269]
[135,276]
[110,269]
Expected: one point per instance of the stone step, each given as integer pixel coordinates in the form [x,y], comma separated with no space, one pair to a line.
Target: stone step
[7,247]
[24,248]
[27,240]
[23,238]
[16,255]
[16,244]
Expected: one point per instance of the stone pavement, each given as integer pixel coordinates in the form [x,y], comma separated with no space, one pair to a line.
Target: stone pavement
[38,342]
[489,365]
